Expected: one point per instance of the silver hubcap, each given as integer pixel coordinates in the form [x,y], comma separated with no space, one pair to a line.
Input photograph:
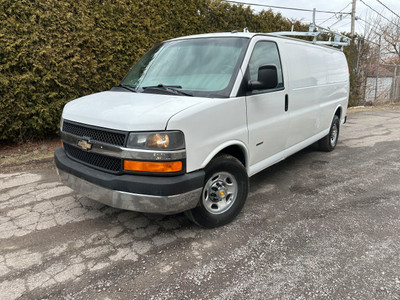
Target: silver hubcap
[334,134]
[220,193]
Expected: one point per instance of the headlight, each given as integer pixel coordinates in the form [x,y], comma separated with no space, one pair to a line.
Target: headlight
[164,140]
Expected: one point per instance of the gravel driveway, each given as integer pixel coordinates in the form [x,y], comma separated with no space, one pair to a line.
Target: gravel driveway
[318,225]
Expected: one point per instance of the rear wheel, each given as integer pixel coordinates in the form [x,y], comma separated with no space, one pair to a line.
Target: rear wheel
[328,142]
[224,192]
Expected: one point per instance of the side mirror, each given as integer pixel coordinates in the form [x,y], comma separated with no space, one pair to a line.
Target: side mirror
[267,78]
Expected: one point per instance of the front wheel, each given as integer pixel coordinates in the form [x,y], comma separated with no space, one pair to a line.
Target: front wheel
[328,142]
[224,192]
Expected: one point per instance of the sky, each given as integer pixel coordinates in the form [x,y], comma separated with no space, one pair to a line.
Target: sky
[342,25]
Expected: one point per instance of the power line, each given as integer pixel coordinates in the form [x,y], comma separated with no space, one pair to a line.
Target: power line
[372,42]
[379,13]
[359,23]
[373,26]
[284,7]
[335,14]
[388,9]
[358,18]
[337,22]
[347,24]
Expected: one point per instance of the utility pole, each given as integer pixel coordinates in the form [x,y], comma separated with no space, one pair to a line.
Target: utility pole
[353,18]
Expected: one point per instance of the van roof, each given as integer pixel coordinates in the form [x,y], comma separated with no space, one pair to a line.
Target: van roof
[248,35]
[219,34]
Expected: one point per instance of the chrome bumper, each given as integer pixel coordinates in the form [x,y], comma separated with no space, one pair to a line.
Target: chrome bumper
[130,201]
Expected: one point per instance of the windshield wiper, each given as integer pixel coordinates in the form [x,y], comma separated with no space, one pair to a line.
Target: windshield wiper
[128,87]
[169,88]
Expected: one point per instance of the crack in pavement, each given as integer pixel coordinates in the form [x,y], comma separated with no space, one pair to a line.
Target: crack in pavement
[38,207]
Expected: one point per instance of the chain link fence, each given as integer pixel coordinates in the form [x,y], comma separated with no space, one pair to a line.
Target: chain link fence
[383,89]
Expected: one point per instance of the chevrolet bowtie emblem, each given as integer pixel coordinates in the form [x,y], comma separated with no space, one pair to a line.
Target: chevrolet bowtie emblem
[85,145]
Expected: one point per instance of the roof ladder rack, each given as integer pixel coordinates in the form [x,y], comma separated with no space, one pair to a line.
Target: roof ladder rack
[337,41]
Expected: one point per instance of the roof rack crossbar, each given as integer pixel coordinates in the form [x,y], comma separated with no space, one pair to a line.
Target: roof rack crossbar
[296,33]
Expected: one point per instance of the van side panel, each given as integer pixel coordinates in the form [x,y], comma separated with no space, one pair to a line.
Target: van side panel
[307,83]
[317,86]
[338,78]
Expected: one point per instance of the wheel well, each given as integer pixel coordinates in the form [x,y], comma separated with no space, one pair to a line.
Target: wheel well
[236,152]
[338,112]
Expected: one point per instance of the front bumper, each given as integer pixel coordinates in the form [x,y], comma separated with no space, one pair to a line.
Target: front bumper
[151,194]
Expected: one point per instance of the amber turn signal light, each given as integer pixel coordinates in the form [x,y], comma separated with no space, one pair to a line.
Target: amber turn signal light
[153,167]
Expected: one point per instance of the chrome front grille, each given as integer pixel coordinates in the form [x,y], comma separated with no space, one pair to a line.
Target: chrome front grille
[108,136]
[93,134]
[106,163]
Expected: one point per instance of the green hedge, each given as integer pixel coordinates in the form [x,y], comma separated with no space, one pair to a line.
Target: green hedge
[54,51]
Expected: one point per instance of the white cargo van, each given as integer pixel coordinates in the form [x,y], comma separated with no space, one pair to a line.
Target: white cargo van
[196,117]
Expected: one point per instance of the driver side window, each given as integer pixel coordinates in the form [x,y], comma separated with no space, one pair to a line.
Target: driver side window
[265,53]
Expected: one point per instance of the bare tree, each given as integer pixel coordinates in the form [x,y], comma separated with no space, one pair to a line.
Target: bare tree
[391,40]
[378,56]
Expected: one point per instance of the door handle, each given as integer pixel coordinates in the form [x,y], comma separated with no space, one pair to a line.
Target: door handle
[286,102]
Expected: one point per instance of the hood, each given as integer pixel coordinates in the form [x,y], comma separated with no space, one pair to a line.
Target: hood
[127,111]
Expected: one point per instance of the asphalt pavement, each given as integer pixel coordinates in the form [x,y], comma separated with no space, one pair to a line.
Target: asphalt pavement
[315,226]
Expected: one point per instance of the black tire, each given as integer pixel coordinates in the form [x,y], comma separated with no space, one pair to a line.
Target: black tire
[224,192]
[329,142]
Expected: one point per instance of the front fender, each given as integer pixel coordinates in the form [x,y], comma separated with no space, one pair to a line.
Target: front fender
[225,145]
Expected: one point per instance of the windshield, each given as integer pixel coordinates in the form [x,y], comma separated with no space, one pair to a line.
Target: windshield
[203,67]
